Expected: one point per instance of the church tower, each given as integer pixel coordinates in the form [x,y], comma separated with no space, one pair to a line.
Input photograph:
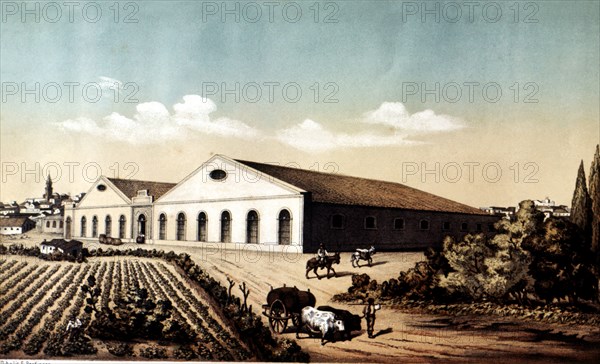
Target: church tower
[48,194]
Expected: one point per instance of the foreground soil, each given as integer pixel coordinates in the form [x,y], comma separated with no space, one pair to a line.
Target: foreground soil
[400,334]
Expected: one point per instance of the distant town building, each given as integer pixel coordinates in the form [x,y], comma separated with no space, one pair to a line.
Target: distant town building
[547,206]
[14,225]
[71,247]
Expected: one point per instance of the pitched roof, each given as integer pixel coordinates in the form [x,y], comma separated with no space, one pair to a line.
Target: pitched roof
[13,221]
[63,244]
[347,190]
[130,187]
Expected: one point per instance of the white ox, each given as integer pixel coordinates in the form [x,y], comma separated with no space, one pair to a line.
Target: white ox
[323,322]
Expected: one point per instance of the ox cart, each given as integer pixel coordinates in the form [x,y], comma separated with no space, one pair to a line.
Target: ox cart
[285,303]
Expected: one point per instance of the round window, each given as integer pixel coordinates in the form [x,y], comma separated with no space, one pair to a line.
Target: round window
[218,174]
[101,188]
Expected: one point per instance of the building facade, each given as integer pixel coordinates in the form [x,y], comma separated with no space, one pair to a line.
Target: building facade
[229,201]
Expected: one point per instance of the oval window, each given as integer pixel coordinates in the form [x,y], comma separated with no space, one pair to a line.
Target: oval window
[101,188]
[218,174]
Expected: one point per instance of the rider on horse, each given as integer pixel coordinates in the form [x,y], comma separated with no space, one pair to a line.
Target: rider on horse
[322,255]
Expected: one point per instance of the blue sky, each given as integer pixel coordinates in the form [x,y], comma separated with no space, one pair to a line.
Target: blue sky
[367,58]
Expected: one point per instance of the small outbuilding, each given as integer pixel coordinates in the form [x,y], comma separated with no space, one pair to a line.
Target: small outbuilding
[14,225]
[68,247]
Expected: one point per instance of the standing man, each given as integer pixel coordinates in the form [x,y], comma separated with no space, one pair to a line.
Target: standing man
[369,315]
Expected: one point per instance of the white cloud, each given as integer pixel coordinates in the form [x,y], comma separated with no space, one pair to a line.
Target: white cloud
[311,136]
[153,123]
[394,114]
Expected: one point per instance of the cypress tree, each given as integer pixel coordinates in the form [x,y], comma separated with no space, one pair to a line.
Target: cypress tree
[594,190]
[581,205]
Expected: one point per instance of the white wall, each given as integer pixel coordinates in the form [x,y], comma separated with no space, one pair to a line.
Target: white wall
[267,208]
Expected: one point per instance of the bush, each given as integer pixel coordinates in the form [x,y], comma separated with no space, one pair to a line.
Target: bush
[153,352]
[120,349]
[185,353]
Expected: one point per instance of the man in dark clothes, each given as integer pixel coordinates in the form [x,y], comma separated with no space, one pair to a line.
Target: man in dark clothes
[369,315]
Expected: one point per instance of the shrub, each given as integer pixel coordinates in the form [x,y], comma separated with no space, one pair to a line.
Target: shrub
[120,349]
[153,352]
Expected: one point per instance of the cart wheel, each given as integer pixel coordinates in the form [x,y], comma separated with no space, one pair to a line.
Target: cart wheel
[278,319]
[296,320]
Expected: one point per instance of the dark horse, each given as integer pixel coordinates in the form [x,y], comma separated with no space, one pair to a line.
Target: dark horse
[313,264]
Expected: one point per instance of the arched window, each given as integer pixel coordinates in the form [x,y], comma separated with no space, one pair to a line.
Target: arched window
[181,226]
[162,227]
[68,228]
[284,229]
[122,221]
[337,221]
[225,227]
[464,226]
[108,225]
[202,235]
[252,227]
[47,224]
[94,227]
[83,226]
[54,224]
[424,225]
[60,224]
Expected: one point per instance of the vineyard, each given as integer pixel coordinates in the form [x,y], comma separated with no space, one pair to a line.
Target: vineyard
[39,299]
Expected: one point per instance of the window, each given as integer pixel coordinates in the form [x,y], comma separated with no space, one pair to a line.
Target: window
[491,228]
[108,226]
[101,188]
[54,224]
[337,221]
[464,226]
[479,227]
[284,229]
[370,222]
[202,235]
[94,227]
[218,174]
[225,227]
[47,224]
[162,227]
[424,225]
[60,225]
[181,226]
[398,224]
[445,226]
[83,227]
[122,222]
[252,227]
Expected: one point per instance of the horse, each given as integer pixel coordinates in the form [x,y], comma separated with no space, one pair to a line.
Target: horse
[313,264]
[362,254]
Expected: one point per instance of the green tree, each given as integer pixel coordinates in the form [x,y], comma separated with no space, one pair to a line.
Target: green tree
[484,268]
[561,266]
[581,206]
[594,190]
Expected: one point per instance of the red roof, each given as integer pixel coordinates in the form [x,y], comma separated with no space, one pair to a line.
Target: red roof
[347,190]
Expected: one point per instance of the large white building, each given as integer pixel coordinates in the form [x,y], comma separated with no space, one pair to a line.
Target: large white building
[232,201]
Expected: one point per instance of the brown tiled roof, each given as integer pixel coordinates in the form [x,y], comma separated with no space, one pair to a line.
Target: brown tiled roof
[13,221]
[130,187]
[346,190]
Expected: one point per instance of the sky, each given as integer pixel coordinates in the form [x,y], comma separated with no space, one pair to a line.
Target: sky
[486,103]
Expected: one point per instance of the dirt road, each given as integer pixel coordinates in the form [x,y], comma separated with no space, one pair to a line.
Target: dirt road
[400,335]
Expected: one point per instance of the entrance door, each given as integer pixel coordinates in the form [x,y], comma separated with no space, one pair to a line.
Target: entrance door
[142,225]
